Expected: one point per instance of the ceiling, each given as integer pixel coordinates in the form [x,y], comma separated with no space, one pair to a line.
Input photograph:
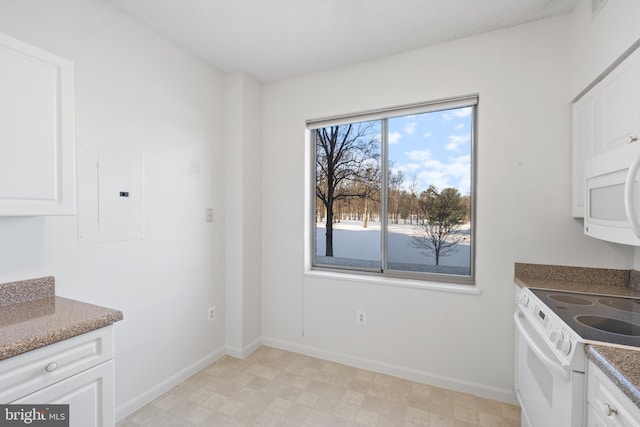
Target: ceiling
[278,39]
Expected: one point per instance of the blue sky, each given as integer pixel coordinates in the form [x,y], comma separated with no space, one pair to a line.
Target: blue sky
[435,148]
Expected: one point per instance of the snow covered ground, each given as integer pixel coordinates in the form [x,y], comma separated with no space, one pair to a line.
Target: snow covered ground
[351,241]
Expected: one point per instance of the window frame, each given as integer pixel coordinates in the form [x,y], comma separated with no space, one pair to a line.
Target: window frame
[383,115]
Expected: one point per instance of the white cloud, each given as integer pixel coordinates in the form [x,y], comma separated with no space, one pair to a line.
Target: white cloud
[427,135]
[457,113]
[459,166]
[455,173]
[410,128]
[409,170]
[459,126]
[419,155]
[455,141]
[432,177]
[412,167]
[394,137]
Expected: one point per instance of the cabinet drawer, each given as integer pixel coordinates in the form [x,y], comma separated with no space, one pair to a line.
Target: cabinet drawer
[31,371]
[609,402]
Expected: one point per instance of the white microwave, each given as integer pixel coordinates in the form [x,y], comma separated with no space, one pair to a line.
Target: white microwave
[612,195]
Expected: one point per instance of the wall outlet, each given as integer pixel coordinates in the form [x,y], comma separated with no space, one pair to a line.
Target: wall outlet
[211,313]
[361,317]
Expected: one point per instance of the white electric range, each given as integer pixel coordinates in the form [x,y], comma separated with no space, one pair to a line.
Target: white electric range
[552,328]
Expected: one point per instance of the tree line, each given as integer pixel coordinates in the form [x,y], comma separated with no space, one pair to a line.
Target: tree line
[405,207]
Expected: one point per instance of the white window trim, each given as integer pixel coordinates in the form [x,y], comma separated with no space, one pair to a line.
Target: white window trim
[377,279]
[385,113]
[309,194]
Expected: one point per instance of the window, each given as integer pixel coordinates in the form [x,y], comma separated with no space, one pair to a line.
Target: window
[394,191]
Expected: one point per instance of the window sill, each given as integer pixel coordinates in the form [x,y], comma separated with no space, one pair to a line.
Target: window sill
[395,282]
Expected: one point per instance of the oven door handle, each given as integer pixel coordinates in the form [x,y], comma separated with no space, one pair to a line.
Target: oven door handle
[561,370]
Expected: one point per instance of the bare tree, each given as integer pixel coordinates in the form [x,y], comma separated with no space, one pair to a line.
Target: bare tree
[445,212]
[371,185]
[345,157]
[395,182]
[412,189]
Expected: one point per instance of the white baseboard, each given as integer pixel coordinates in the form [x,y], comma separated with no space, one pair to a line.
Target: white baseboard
[139,401]
[253,346]
[242,353]
[456,384]
[503,395]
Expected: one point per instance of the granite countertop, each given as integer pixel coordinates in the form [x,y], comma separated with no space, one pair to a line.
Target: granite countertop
[603,281]
[31,316]
[621,365]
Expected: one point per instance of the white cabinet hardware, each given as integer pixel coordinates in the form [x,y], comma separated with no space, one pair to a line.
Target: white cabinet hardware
[609,410]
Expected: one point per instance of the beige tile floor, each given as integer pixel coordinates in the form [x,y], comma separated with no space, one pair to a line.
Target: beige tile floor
[278,388]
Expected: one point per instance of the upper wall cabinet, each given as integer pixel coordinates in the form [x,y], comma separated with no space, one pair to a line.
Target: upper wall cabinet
[606,117]
[37,170]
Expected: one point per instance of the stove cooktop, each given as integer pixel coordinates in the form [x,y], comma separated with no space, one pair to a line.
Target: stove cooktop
[600,318]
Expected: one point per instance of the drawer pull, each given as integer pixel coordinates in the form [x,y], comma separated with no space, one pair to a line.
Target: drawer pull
[51,367]
[609,410]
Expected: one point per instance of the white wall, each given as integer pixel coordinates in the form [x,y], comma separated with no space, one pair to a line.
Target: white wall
[523,204]
[243,201]
[135,92]
[598,42]
[252,191]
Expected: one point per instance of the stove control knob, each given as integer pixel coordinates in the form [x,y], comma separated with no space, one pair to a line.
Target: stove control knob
[523,300]
[555,336]
[564,345]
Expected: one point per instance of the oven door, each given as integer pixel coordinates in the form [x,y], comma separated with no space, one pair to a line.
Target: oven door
[550,394]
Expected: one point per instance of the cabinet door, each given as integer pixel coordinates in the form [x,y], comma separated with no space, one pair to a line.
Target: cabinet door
[37,171]
[89,395]
[584,133]
[594,420]
[620,104]
[605,118]
[608,402]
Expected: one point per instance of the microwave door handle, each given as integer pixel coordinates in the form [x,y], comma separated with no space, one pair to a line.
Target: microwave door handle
[629,197]
[558,369]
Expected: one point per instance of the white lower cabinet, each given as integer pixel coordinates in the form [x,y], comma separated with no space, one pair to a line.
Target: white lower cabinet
[89,395]
[608,405]
[77,371]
